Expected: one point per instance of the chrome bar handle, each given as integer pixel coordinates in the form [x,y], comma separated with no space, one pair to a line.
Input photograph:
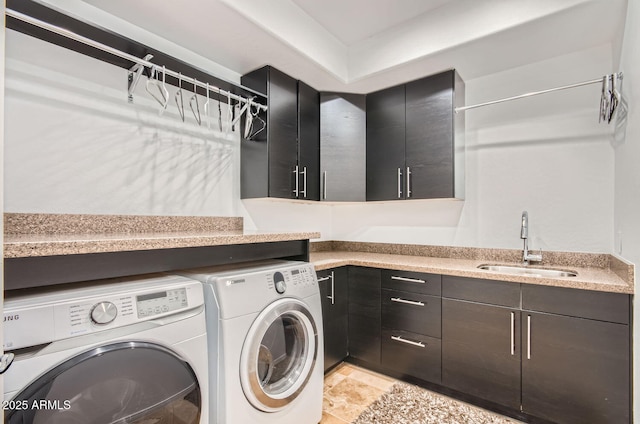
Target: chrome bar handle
[324,185]
[513,335]
[409,280]
[296,191]
[408,302]
[399,183]
[304,182]
[411,342]
[528,336]
[408,182]
[333,289]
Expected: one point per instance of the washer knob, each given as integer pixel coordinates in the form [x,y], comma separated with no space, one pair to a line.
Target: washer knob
[278,279]
[103,313]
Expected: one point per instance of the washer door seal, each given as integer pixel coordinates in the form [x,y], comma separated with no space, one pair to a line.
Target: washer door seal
[278,355]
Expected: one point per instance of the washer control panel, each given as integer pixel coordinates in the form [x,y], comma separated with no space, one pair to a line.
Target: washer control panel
[293,281]
[38,321]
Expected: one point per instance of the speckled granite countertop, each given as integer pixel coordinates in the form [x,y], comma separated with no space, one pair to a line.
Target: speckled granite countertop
[28,235]
[606,273]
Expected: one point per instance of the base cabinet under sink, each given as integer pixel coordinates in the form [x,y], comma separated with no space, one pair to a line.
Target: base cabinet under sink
[537,353]
[575,370]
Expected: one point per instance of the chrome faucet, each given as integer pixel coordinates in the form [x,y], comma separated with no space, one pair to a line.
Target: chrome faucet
[524,234]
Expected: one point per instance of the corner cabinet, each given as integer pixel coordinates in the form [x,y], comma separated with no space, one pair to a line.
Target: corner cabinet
[342,147]
[284,160]
[415,141]
[334,299]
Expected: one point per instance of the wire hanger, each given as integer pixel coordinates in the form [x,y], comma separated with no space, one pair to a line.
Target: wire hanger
[180,103]
[153,81]
[194,99]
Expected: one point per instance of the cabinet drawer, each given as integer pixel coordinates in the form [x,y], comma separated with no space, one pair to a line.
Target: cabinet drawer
[482,291]
[416,282]
[412,354]
[603,306]
[416,313]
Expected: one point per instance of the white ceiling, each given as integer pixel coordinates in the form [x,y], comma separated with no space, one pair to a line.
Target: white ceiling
[354,20]
[365,45]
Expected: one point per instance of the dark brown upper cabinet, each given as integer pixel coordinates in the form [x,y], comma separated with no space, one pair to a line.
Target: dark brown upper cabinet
[283,161]
[415,140]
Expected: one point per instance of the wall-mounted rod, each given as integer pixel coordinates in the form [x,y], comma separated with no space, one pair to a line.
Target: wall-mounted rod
[92,43]
[534,93]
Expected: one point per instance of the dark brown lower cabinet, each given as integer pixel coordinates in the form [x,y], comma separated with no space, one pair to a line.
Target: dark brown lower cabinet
[364,314]
[335,303]
[575,370]
[481,351]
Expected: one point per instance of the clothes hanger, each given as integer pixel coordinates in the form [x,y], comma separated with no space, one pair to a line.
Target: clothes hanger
[206,108]
[160,94]
[194,99]
[180,103]
[219,112]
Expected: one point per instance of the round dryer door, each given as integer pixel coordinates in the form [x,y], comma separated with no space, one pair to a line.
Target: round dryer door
[278,354]
[126,382]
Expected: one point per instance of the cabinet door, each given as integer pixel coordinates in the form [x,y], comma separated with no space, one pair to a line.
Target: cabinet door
[308,142]
[342,147]
[430,137]
[282,127]
[575,370]
[481,351]
[385,144]
[364,314]
[334,295]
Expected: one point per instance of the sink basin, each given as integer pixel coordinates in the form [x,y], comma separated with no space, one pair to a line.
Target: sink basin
[522,270]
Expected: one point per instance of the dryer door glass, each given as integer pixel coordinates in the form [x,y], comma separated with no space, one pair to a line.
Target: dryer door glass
[279,354]
[129,382]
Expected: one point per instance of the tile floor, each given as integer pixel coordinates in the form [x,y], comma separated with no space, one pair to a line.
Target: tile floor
[349,390]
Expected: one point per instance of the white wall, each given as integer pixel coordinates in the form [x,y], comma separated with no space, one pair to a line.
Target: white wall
[2,62]
[74,144]
[545,154]
[627,175]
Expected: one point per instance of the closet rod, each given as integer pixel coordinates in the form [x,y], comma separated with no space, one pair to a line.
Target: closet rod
[535,93]
[89,42]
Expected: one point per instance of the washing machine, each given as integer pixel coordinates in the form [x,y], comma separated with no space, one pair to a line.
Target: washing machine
[264,322]
[114,351]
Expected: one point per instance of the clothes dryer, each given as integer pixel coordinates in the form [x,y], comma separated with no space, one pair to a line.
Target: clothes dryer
[126,350]
[264,322]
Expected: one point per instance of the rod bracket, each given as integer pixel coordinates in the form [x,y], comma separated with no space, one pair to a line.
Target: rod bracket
[133,77]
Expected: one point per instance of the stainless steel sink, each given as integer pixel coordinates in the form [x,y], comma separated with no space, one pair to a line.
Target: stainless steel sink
[534,272]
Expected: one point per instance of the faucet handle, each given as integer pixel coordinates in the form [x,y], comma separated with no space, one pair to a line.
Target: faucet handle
[536,258]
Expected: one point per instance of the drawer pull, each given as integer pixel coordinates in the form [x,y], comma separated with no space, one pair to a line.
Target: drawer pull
[320,280]
[408,280]
[411,342]
[408,302]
